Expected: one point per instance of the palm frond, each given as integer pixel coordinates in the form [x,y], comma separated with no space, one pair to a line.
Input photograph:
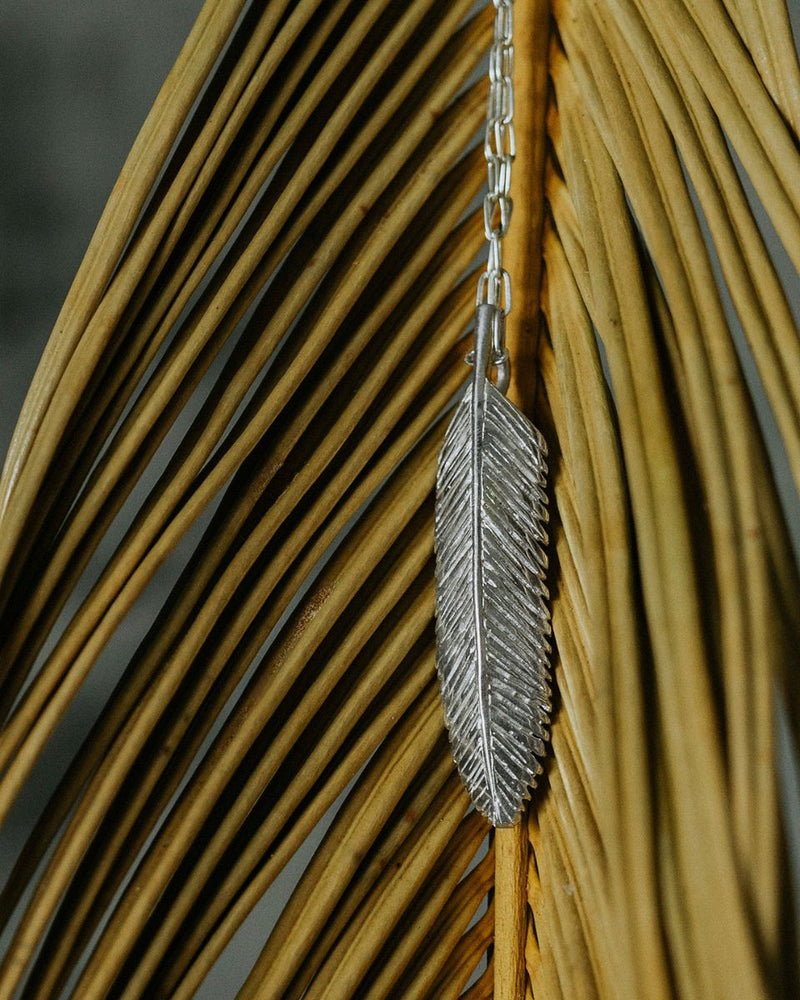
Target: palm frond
[247,381]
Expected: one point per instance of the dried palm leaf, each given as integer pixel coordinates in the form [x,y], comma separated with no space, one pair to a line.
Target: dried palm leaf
[251,368]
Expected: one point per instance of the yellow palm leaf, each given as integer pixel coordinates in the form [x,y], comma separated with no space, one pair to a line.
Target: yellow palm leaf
[247,381]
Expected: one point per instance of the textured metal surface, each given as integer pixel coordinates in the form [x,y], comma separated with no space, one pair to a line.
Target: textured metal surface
[492,620]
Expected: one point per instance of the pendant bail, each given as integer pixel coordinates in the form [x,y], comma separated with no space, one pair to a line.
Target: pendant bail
[490,345]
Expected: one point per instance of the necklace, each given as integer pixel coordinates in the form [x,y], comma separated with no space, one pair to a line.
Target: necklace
[492,617]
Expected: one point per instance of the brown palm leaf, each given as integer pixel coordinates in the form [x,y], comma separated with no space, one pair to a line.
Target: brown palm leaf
[243,394]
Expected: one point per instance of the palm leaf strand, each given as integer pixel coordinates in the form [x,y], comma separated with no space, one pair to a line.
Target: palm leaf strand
[247,377]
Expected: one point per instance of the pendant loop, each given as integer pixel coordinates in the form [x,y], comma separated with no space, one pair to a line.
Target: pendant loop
[490,345]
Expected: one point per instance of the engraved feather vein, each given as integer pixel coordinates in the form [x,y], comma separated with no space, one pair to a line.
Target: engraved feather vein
[492,618]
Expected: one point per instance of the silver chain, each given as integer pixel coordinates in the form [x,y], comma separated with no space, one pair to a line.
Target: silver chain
[494,285]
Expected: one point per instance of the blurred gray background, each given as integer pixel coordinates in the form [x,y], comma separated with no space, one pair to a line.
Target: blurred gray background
[77,78]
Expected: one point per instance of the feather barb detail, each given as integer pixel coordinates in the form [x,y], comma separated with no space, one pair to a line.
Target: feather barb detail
[492,618]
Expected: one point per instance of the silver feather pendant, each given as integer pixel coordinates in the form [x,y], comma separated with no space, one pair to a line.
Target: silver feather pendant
[492,618]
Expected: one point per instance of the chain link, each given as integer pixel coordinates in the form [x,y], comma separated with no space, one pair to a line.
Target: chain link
[494,285]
